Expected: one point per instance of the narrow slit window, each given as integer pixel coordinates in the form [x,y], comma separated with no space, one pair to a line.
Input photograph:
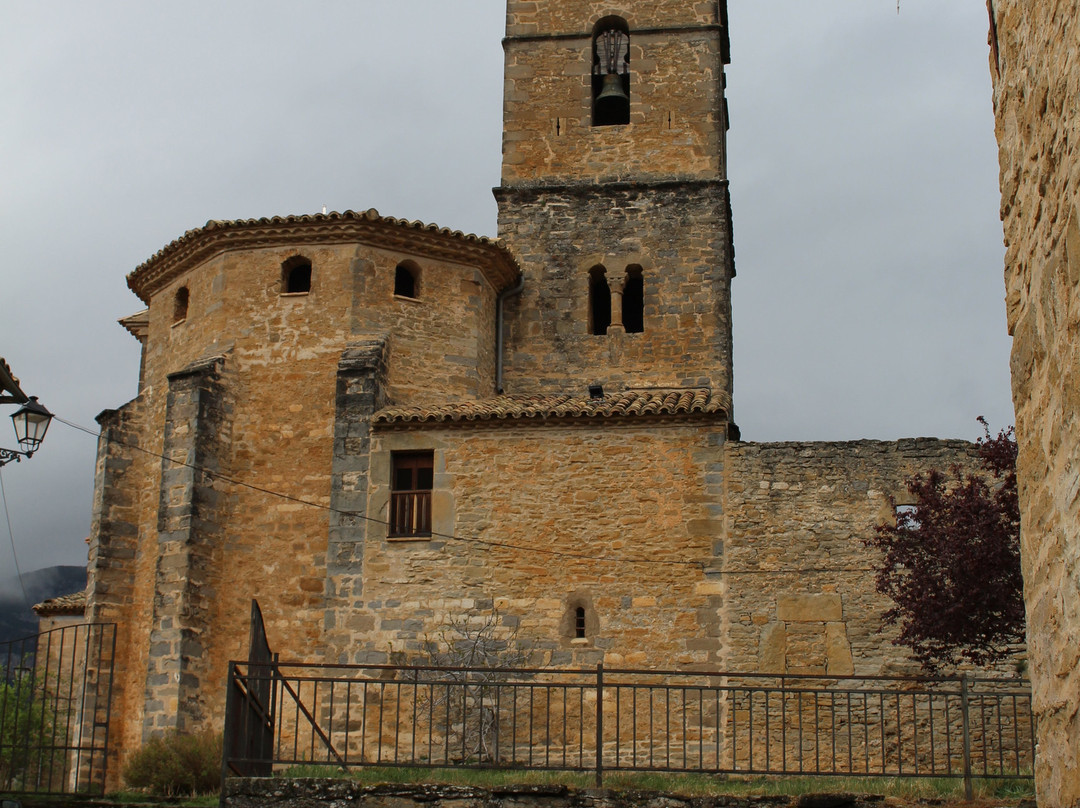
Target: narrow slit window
[633,301]
[296,276]
[579,622]
[405,279]
[611,72]
[599,301]
[411,480]
[180,304]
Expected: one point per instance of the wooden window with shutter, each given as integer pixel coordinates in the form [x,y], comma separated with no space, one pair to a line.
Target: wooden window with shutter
[410,493]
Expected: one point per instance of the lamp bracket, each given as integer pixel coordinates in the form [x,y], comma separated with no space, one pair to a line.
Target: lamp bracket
[7,455]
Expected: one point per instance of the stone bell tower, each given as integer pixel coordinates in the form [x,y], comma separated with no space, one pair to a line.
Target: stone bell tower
[614,195]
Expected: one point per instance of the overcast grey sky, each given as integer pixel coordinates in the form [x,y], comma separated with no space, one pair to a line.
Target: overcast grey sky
[868,302]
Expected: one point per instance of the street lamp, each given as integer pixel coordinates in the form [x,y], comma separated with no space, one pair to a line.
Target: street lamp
[31,421]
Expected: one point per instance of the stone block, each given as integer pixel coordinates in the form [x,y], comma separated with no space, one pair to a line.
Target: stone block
[838,650]
[822,607]
[773,649]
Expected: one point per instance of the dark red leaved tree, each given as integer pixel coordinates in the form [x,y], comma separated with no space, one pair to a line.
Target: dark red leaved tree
[951,565]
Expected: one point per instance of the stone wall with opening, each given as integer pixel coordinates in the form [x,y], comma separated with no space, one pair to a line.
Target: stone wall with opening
[577,249]
[799,581]
[549,519]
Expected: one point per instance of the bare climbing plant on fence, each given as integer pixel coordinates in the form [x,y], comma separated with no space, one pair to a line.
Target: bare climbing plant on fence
[474,653]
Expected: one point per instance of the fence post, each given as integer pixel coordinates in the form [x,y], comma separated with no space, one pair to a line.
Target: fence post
[968,792]
[600,725]
[230,727]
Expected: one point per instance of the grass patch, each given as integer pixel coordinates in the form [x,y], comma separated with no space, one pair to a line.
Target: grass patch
[690,784]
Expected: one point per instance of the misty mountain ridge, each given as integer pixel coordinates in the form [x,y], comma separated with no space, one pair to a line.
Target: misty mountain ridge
[17,619]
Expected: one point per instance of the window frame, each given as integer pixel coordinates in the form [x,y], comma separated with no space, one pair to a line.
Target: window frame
[580,623]
[409,510]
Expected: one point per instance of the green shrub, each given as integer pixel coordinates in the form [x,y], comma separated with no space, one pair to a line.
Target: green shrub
[31,740]
[177,764]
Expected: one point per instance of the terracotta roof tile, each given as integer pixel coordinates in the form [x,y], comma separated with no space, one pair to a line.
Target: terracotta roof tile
[74,603]
[632,403]
[9,385]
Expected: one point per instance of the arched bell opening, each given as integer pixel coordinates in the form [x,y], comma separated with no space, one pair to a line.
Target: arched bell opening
[611,72]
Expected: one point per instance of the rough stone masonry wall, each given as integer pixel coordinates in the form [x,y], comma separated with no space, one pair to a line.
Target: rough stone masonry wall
[649,194]
[280,374]
[676,112]
[594,493]
[119,486]
[1035,65]
[678,234]
[797,515]
[190,531]
[528,17]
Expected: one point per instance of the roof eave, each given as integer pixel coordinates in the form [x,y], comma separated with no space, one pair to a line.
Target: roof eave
[489,421]
[10,392]
[369,227]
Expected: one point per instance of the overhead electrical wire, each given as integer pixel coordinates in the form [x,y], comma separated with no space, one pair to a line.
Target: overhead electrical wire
[472,539]
[11,538]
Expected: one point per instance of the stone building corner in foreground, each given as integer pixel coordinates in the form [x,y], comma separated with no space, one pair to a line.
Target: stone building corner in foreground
[1035,66]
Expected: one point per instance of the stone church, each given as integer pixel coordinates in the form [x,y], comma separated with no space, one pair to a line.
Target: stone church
[372,425]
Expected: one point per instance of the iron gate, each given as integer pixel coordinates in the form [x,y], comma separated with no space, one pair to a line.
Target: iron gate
[249,709]
[55,706]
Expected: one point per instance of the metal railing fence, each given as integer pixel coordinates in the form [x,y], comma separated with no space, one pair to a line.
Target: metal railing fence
[632,720]
[55,695]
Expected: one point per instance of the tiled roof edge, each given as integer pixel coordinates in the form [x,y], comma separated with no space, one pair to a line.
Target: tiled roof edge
[555,408]
[217,236]
[75,603]
[10,392]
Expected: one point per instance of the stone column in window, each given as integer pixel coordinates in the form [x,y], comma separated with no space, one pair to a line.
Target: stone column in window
[616,326]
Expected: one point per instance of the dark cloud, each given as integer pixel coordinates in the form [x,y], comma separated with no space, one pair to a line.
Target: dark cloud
[862,160]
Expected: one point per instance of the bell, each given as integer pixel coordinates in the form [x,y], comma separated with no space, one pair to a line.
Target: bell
[613,104]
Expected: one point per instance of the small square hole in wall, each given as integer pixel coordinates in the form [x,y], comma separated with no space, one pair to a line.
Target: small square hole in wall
[407,280]
[180,305]
[907,514]
[296,276]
